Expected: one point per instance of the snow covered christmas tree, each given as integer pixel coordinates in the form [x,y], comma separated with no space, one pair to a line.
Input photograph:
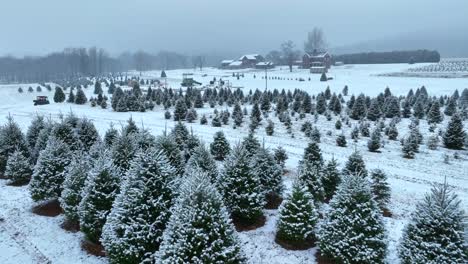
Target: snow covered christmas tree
[270,175]
[48,174]
[141,211]
[352,230]
[355,165]
[241,188]
[220,146]
[76,174]
[435,232]
[101,188]
[297,219]
[199,230]
[18,169]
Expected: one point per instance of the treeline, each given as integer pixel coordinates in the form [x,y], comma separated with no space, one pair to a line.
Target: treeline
[71,62]
[412,56]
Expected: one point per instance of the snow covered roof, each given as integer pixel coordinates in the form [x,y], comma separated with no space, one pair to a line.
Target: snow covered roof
[318,55]
[236,63]
[250,56]
[226,61]
[267,63]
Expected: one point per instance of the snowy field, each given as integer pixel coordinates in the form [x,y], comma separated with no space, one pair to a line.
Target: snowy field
[29,238]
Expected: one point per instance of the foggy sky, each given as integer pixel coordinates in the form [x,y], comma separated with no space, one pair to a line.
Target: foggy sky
[31,27]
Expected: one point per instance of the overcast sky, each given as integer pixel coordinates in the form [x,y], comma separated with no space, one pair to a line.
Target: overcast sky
[34,27]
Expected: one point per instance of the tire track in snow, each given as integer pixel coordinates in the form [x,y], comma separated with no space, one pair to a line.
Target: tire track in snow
[20,238]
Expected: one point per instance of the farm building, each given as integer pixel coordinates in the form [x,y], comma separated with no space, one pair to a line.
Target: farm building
[316,59]
[265,65]
[245,61]
[225,63]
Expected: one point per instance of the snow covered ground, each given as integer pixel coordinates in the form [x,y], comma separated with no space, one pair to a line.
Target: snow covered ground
[29,238]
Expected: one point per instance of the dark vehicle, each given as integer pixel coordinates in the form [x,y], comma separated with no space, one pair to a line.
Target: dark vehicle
[188,81]
[41,100]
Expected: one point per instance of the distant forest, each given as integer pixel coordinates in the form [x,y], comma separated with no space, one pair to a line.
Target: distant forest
[76,62]
[412,56]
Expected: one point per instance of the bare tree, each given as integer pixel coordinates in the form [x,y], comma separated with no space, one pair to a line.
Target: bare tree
[315,41]
[198,61]
[289,53]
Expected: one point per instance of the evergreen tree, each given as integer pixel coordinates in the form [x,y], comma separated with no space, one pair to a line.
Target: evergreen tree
[310,173]
[37,124]
[380,188]
[355,165]
[216,122]
[101,188]
[406,113]
[348,240]
[18,169]
[203,120]
[321,106]
[355,133]
[141,210]
[241,188]
[312,154]
[111,88]
[270,128]
[199,230]
[435,233]
[41,141]
[65,132]
[265,104]
[11,139]
[297,217]
[418,109]
[124,150]
[408,148]
[331,178]
[80,97]
[256,114]
[270,175]
[202,160]
[75,177]
[374,112]
[117,101]
[130,128]
[434,115]
[341,140]
[110,136]
[359,108]
[87,133]
[345,90]
[237,114]
[97,87]
[48,174]
[180,110]
[280,156]
[392,132]
[59,96]
[454,135]
[451,107]
[71,97]
[392,107]
[374,142]
[251,145]
[168,145]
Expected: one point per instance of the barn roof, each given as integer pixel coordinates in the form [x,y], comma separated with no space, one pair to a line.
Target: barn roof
[318,55]
[250,56]
[236,63]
